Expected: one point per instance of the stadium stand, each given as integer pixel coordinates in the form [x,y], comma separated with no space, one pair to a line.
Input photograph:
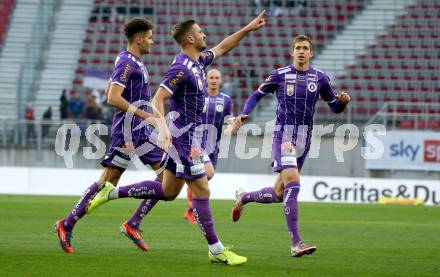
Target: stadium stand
[248,64]
[14,53]
[392,69]
[397,68]
[6,7]
[401,66]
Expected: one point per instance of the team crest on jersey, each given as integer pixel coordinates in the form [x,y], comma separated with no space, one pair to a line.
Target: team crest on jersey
[290,89]
[219,108]
[312,86]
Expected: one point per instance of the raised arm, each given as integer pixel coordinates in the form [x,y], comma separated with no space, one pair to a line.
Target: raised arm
[232,41]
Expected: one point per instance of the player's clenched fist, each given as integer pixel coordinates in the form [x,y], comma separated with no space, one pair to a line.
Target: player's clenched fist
[343,98]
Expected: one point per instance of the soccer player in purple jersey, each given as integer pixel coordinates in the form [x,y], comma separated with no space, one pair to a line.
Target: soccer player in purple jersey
[297,88]
[216,110]
[185,84]
[128,84]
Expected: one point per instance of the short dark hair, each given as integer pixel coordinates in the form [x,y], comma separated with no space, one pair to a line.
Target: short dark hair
[180,30]
[136,25]
[300,38]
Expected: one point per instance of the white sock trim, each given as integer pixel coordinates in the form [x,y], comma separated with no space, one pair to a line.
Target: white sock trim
[216,248]
[114,193]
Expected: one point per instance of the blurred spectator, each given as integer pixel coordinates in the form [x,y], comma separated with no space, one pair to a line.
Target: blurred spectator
[64,105]
[76,106]
[29,116]
[87,95]
[93,111]
[99,96]
[47,116]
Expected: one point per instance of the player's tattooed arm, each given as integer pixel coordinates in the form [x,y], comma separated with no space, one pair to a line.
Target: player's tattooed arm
[233,40]
[115,99]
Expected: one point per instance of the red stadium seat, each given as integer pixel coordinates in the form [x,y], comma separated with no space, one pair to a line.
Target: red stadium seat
[433,124]
[406,124]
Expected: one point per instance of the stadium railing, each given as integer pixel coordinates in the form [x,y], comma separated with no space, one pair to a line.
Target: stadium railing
[397,115]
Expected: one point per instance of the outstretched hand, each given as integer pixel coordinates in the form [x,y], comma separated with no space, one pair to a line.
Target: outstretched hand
[257,23]
[232,125]
[240,119]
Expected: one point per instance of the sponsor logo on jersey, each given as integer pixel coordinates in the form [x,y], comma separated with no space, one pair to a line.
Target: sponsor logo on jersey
[312,77]
[125,73]
[288,161]
[301,76]
[206,54]
[174,81]
[290,76]
[197,169]
[284,70]
[180,168]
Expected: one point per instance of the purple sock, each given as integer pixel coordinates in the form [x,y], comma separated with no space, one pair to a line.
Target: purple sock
[265,195]
[144,208]
[142,190]
[202,213]
[80,208]
[291,191]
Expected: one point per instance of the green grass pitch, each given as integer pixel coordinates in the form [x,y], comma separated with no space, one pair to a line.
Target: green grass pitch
[352,240]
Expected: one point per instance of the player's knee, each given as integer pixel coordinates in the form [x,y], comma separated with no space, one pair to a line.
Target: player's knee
[201,192]
[290,175]
[279,192]
[170,195]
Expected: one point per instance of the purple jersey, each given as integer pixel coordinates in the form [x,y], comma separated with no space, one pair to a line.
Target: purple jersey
[297,93]
[215,110]
[186,81]
[131,74]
